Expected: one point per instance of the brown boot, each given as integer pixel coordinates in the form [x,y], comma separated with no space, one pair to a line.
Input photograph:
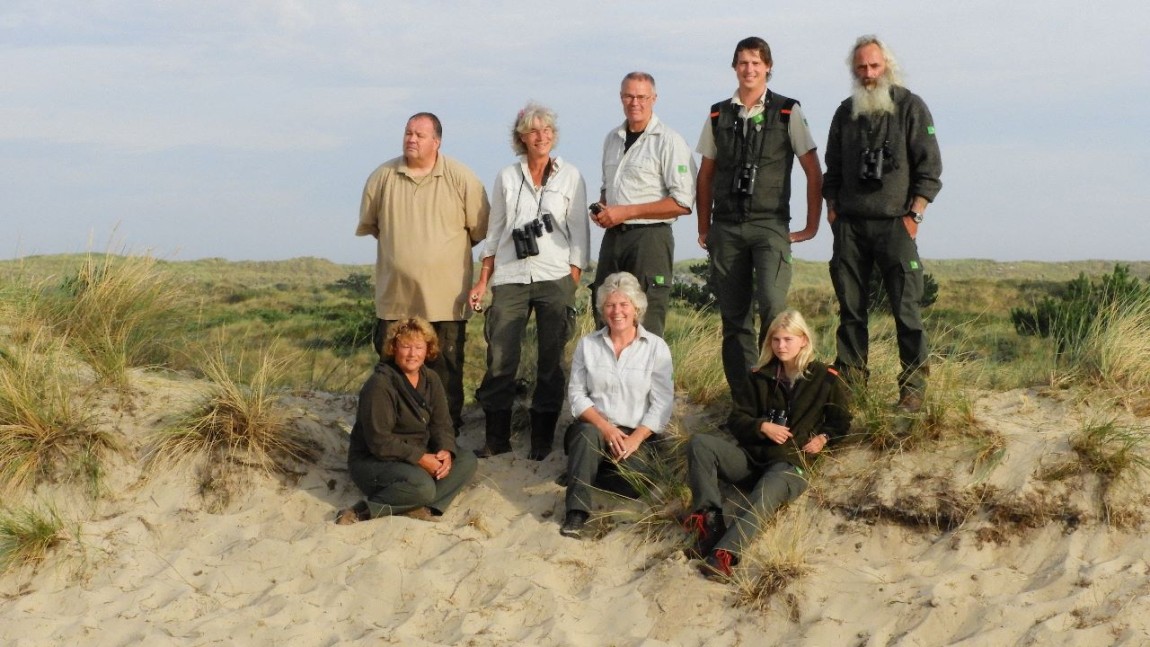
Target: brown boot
[423,513]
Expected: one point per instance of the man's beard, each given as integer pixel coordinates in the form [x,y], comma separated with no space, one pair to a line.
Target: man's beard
[872,101]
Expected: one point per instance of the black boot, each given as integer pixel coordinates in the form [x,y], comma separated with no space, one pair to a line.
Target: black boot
[498,431]
[542,433]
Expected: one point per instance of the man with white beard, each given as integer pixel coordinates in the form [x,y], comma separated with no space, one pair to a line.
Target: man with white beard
[883,168]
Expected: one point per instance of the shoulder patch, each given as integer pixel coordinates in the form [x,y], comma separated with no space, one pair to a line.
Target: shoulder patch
[930,130]
[832,371]
[714,114]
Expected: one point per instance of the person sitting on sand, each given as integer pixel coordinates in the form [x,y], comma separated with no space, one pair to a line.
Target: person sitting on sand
[402,454]
[620,394]
[796,406]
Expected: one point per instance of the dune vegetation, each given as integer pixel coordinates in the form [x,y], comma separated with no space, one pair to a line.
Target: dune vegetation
[84,338]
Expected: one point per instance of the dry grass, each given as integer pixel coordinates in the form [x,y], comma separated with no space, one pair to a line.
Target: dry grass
[1117,350]
[239,421]
[27,535]
[776,560]
[45,424]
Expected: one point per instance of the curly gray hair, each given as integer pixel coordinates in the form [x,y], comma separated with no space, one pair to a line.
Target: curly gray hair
[525,123]
[626,284]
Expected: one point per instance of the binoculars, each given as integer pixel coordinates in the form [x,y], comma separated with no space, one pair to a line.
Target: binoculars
[524,237]
[876,161]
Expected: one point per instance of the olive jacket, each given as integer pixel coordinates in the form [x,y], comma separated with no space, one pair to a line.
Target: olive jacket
[398,422]
[816,404]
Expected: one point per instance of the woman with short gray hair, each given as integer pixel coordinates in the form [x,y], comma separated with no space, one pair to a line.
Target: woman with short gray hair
[621,394]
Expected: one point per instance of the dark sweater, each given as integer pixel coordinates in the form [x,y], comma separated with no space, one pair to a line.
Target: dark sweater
[816,404]
[910,131]
[396,422]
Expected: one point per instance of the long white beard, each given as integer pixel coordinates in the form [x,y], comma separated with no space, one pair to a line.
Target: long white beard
[871,101]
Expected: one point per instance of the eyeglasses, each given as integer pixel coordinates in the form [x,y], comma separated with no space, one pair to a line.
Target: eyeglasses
[638,98]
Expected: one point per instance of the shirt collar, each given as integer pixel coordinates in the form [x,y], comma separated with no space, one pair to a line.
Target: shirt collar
[761,102]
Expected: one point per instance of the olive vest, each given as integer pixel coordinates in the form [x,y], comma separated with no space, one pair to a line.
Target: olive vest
[767,145]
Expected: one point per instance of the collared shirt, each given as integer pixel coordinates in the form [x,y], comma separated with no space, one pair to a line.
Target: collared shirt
[425,228]
[797,128]
[635,390]
[517,202]
[659,164]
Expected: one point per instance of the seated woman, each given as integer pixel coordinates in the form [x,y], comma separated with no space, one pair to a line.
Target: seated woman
[796,407]
[620,394]
[402,454]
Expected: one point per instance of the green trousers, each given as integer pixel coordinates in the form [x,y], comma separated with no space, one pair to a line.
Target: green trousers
[553,303]
[750,265]
[648,252]
[710,458]
[861,245]
[394,487]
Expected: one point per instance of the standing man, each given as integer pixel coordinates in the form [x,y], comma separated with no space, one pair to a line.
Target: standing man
[648,181]
[883,168]
[427,211]
[749,144]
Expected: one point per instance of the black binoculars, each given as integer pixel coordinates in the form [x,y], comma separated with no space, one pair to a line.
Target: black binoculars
[744,182]
[875,162]
[777,416]
[524,237]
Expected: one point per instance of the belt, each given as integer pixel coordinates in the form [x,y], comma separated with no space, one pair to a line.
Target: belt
[624,228]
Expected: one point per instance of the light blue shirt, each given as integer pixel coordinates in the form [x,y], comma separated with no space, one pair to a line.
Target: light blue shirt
[635,390]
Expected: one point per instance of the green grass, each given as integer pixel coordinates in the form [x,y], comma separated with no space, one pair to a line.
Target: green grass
[28,535]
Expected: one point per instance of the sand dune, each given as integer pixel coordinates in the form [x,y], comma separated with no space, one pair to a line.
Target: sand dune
[162,563]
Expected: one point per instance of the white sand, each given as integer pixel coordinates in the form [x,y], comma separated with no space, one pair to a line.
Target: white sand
[155,567]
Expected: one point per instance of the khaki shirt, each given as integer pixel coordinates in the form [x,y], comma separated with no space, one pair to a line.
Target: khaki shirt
[426,227]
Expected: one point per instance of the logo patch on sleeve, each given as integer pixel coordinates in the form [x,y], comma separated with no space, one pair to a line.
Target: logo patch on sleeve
[682,168]
[930,130]
[914,265]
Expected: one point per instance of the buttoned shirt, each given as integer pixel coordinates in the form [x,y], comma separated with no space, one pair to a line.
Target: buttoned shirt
[659,164]
[425,227]
[797,128]
[516,202]
[635,390]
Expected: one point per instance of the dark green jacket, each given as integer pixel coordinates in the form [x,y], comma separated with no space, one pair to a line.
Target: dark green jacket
[766,144]
[817,405]
[910,131]
[394,423]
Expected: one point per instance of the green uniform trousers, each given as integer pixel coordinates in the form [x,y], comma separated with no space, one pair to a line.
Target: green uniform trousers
[553,303]
[710,458]
[394,487]
[749,261]
[648,252]
[860,245]
[589,468]
[448,366]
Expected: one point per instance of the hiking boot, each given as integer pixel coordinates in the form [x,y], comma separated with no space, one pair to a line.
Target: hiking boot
[707,527]
[542,433]
[573,524]
[423,513]
[355,514]
[910,402]
[497,429]
[718,565]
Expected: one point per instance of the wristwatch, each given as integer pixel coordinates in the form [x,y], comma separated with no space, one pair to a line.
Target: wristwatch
[914,215]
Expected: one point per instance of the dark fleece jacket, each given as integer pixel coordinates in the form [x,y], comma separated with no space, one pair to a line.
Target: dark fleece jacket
[817,404]
[398,423]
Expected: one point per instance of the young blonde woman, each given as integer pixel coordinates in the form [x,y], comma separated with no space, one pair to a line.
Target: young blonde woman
[794,408]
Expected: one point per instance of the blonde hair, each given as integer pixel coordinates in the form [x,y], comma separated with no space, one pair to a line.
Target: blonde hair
[792,322]
[408,328]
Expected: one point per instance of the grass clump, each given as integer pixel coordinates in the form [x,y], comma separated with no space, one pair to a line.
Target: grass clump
[1112,450]
[116,312]
[27,535]
[238,422]
[696,353]
[44,425]
[777,559]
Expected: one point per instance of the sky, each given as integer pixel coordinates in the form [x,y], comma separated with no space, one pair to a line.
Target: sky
[245,129]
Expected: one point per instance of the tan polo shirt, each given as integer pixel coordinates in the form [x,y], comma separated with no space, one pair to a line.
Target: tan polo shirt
[426,227]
